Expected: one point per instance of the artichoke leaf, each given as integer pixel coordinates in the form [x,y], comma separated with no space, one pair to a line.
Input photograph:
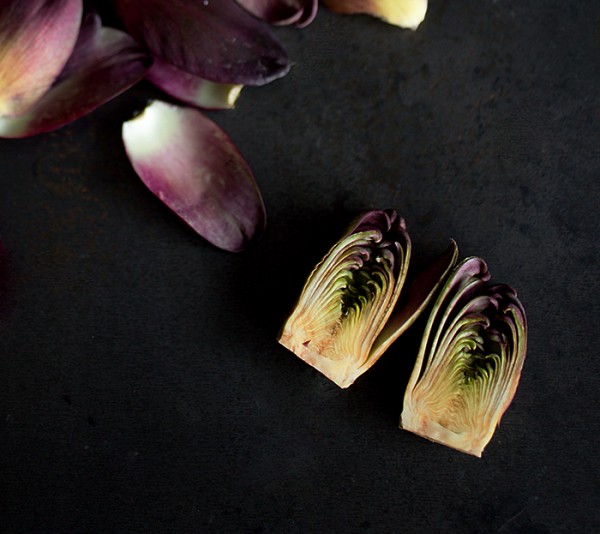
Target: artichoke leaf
[402,13]
[283,12]
[191,89]
[193,166]
[214,40]
[104,63]
[36,40]
[420,292]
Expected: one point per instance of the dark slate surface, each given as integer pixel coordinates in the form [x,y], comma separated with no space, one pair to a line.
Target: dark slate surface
[141,387]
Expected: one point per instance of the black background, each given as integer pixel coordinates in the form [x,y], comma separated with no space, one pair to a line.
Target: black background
[141,386]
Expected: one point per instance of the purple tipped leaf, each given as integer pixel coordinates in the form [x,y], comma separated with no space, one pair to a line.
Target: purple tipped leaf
[36,40]
[283,12]
[466,281]
[105,62]
[420,292]
[215,40]
[188,162]
[191,89]
[378,220]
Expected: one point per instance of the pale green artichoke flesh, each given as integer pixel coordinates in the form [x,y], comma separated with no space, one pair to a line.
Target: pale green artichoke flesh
[345,317]
[469,363]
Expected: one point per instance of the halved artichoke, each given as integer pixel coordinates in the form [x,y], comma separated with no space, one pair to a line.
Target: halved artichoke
[345,317]
[469,362]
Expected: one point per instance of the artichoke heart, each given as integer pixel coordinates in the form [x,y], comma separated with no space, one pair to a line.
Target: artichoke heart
[469,363]
[342,322]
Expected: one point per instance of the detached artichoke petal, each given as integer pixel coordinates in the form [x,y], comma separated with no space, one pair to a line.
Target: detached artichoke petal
[216,40]
[403,13]
[349,297]
[36,40]
[420,291]
[283,12]
[469,362]
[188,162]
[191,89]
[104,63]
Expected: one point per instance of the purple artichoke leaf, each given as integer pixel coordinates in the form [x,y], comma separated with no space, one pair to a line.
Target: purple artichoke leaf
[105,62]
[190,164]
[36,40]
[419,293]
[214,40]
[385,221]
[283,12]
[459,295]
[191,89]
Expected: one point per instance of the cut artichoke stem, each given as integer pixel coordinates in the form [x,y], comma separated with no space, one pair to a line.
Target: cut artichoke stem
[350,296]
[469,363]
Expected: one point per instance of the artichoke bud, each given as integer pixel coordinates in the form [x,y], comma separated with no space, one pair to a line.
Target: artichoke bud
[341,322]
[469,362]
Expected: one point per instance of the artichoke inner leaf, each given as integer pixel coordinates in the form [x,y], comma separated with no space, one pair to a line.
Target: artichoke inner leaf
[465,279]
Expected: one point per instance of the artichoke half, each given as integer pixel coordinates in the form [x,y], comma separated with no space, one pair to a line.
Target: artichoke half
[469,363]
[347,314]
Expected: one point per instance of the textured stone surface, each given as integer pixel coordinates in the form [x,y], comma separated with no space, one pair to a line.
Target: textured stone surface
[141,386]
